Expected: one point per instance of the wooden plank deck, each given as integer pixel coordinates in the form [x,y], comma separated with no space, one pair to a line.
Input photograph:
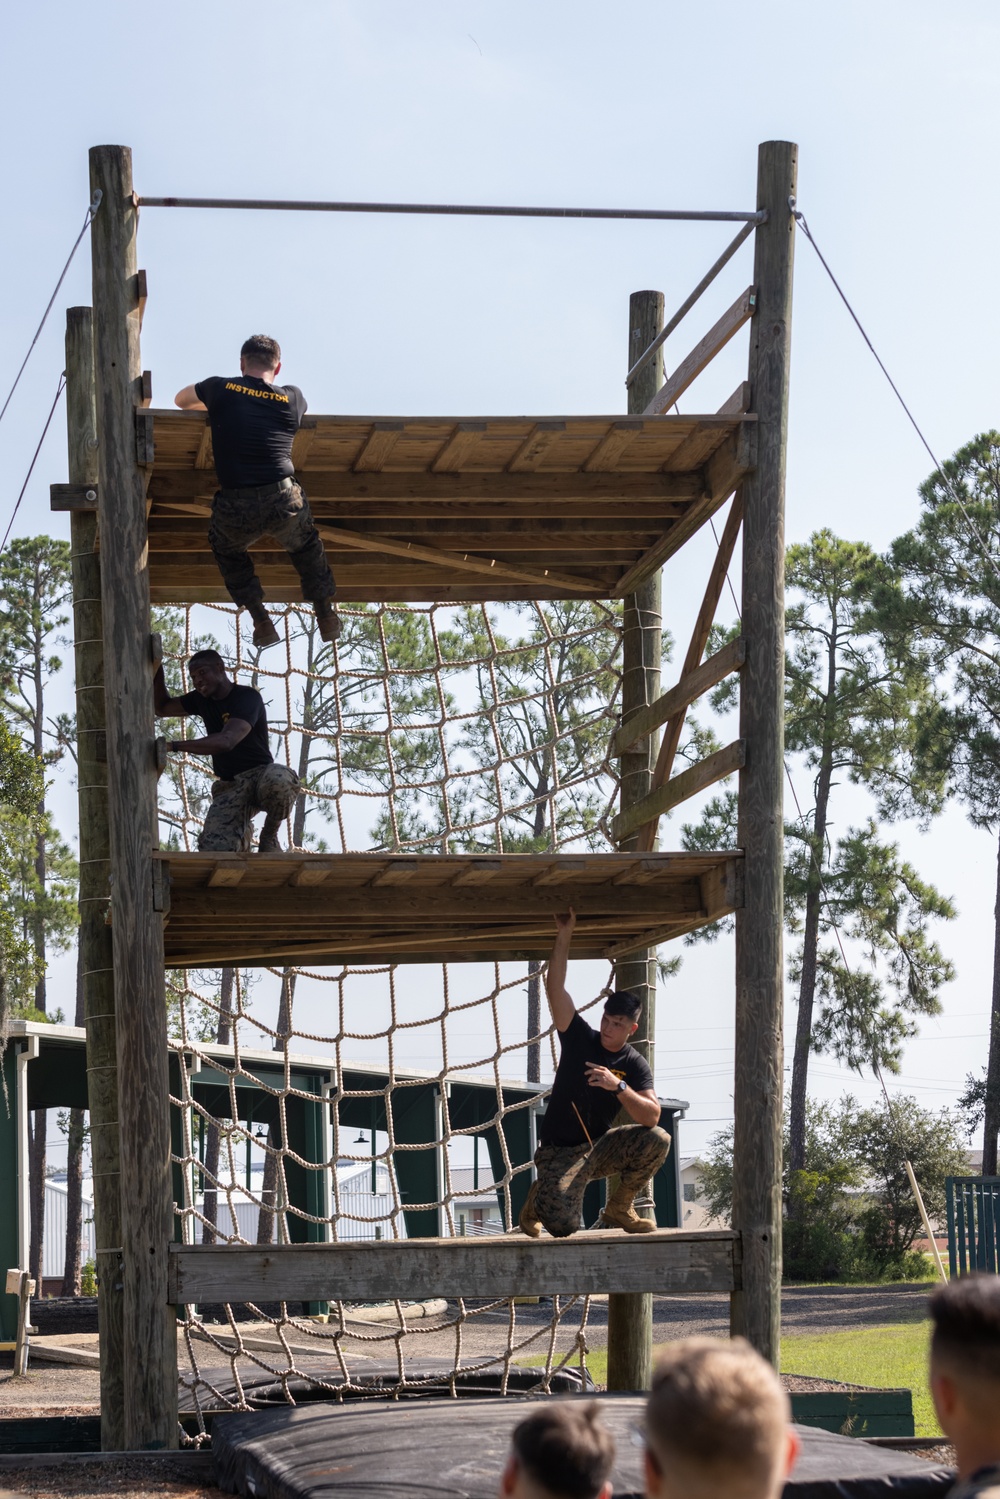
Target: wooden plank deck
[439,508]
[594,1263]
[381,908]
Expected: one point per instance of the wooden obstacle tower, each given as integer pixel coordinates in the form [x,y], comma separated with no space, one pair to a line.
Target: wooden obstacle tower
[428,509]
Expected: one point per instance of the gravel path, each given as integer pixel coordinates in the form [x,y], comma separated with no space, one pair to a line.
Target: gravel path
[52,1390]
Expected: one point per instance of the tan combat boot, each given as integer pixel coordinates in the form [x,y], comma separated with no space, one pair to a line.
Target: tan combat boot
[264,633]
[327,619]
[528,1220]
[619,1213]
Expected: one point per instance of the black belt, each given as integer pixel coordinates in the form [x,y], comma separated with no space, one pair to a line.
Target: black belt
[261,492]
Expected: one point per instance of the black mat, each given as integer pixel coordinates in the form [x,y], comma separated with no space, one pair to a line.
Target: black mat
[458,1448]
[263,1390]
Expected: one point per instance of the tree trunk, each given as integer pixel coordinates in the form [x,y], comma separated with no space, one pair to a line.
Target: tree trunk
[213,1136]
[36,1169]
[810,936]
[991,1112]
[74,1172]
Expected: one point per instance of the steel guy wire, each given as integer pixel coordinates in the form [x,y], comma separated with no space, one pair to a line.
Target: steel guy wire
[800,219]
[95,204]
[31,467]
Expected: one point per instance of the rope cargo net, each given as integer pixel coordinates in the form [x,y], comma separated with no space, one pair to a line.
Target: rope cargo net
[439,729]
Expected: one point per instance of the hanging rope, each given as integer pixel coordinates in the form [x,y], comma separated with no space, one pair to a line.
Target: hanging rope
[31,466]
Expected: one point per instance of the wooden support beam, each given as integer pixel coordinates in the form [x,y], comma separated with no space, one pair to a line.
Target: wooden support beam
[96,973]
[630,1316]
[73,497]
[703,353]
[669,1260]
[760,978]
[381,441]
[150,1339]
[738,403]
[187,485]
[721,475]
[685,692]
[371,541]
[680,789]
[463,441]
[699,637]
[534,448]
[606,456]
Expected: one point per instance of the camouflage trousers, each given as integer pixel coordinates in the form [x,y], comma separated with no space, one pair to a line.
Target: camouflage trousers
[229,824]
[241,517]
[633,1153]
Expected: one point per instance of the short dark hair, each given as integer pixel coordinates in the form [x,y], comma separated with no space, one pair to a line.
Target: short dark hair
[966,1316]
[262,351]
[565,1448]
[624,1002]
[208,655]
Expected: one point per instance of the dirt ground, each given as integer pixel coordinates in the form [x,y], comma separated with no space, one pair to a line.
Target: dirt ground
[120,1478]
[50,1390]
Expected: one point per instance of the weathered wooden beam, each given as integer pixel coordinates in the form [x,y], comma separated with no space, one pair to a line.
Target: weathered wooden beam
[534,448]
[150,1339]
[759,1075]
[696,647]
[630,1316]
[190,484]
[96,963]
[721,475]
[463,441]
[729,324]
[691,687]
[669,1260]
[381,441]
[73,497]
[371,541]
[681,788]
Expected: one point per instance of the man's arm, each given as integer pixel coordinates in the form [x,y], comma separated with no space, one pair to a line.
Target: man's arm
[643,1107]
[214,744]
[164,705]
[187,400]
[560,1004]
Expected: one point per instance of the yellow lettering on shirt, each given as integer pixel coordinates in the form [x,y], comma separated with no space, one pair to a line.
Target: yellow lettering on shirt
[262,395]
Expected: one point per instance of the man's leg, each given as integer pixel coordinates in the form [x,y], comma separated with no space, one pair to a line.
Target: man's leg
[227,828]
[275,790]
[235,525]
[556,1199]
[292,524]
[633,1154]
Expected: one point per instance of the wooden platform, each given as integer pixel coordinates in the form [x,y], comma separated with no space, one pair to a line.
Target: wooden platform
[439,508]
[605,1260]
[381,908]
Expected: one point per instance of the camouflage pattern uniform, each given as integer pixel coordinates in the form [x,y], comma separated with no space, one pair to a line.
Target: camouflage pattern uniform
[229,824]
[634,1153]
[242,516]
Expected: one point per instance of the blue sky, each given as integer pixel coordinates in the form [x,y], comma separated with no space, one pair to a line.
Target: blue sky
[894,109]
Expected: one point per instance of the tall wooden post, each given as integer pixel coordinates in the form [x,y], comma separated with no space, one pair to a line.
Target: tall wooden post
[630,1316]
[95,935]
[757,1090]
[149,1324]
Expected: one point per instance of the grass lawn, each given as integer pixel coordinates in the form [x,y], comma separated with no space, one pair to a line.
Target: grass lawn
[893,1357]
[890,1357]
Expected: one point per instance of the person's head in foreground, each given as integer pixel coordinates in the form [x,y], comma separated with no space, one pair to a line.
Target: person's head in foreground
[717,1422]
[965,1369]
[562,1451]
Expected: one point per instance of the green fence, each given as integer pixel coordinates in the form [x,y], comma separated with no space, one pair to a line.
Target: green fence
[973,1223]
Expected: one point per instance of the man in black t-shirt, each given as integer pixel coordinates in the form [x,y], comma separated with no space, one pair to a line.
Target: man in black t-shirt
[253,424]
[598,1073]
[248,779]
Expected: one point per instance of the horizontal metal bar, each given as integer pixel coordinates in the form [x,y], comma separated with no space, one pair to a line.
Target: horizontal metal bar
[475,210]
[685,307]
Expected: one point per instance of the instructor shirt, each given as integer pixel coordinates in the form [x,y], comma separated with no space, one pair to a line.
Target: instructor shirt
[253,424]
[240,702]
[598,1107]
